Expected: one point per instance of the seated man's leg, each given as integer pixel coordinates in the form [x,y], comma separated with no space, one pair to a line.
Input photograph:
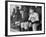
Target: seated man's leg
[34,27]
[30,26]
[22,26]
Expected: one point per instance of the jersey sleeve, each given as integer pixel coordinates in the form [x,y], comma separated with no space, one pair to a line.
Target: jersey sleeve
[34,17]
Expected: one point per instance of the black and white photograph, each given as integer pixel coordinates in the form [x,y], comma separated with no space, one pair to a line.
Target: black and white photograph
[25,18]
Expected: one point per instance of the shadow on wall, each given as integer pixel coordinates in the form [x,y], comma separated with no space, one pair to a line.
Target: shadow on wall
[10,36]
[9,0]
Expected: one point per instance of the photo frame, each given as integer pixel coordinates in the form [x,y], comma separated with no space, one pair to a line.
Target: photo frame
[37,6]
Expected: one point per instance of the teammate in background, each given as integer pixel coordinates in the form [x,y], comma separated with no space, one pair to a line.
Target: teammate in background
[24,23]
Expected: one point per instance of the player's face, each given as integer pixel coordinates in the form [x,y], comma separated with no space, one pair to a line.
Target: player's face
[31,11]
